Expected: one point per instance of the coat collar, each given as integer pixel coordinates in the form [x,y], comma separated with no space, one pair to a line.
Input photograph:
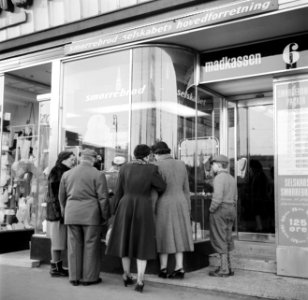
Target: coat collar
[222,171]
[164,157]
[139,162]
[86,163]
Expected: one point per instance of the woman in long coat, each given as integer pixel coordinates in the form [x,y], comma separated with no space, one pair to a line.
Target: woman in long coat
[56,230]
[133,230]
[173,227]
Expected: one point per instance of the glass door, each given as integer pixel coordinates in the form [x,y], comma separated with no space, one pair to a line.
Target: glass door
[231,122]
[254,168]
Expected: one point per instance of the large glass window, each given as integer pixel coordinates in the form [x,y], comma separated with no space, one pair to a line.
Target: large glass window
[166,109]
[203,146]
[24,153]
[115,101]
[95,106]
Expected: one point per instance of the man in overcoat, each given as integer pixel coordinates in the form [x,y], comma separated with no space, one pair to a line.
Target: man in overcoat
[83,196]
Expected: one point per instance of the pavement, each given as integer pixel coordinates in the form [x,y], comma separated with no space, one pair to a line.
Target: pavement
[244,283]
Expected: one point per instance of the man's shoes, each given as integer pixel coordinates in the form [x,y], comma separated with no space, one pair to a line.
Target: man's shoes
[86,283]
[219,273]
[74,282]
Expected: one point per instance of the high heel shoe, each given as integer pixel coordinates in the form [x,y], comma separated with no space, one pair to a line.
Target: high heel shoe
[139,287]
[177,274]
[128,280]
[163,273]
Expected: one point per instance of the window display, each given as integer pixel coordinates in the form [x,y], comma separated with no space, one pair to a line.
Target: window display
[18,172]
[19,153]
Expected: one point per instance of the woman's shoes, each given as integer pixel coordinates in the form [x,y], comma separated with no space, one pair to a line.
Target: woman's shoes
[128,280]
[177,274]
[163,273]
[139,287]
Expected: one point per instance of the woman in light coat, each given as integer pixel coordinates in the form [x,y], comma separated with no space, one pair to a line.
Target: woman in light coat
[173,227]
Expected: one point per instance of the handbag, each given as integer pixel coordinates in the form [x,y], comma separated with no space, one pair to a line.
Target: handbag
[107,238]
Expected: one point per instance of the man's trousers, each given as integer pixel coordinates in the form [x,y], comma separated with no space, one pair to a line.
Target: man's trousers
[221,223]
[84,252]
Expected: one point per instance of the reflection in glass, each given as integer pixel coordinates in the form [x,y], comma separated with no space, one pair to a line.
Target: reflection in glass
[255,169]
[115,101]
[96,104]
[165,110]
[203,147]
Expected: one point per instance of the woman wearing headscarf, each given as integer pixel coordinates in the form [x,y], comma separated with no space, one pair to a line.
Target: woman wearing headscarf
[133,230]
[56,229]
[173,227]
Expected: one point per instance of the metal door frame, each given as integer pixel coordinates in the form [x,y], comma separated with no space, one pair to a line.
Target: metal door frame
[247,103]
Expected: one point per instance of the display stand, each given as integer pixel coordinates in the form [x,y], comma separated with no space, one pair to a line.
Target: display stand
[17,178]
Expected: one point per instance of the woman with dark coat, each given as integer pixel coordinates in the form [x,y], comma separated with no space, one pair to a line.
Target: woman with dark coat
[173,227]
[133,231]
[56,230]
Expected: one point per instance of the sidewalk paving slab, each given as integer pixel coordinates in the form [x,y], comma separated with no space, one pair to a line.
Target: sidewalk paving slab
[248,283]
[244,283]
[19,259]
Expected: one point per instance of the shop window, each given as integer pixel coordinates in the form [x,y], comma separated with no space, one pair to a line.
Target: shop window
[111,103]
[165,110]
[96,106]
[24,153]
[172,109]
[19,152]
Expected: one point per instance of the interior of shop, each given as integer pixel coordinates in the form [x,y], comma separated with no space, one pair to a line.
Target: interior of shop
[25,131]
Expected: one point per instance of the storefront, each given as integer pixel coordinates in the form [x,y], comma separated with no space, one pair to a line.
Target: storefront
[245,97]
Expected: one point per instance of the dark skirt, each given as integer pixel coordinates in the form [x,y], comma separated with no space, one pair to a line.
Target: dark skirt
[133,230]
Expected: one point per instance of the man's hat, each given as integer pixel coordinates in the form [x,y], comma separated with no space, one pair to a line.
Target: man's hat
[88,153]
[220,158]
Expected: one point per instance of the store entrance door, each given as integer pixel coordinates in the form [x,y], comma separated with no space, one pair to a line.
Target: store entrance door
[254,135]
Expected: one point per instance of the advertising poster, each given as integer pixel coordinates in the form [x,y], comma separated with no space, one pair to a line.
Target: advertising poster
[292,162]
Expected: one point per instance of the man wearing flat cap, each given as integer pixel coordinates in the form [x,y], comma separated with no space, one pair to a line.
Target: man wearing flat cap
[84,202]
[222,214]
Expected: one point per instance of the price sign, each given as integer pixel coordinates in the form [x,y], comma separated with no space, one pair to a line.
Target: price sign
[292,162]
[294,226]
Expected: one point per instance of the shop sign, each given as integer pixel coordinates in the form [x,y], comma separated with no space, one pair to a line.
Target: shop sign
[121,92]
[256,59]
[213,14]
[292,162]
